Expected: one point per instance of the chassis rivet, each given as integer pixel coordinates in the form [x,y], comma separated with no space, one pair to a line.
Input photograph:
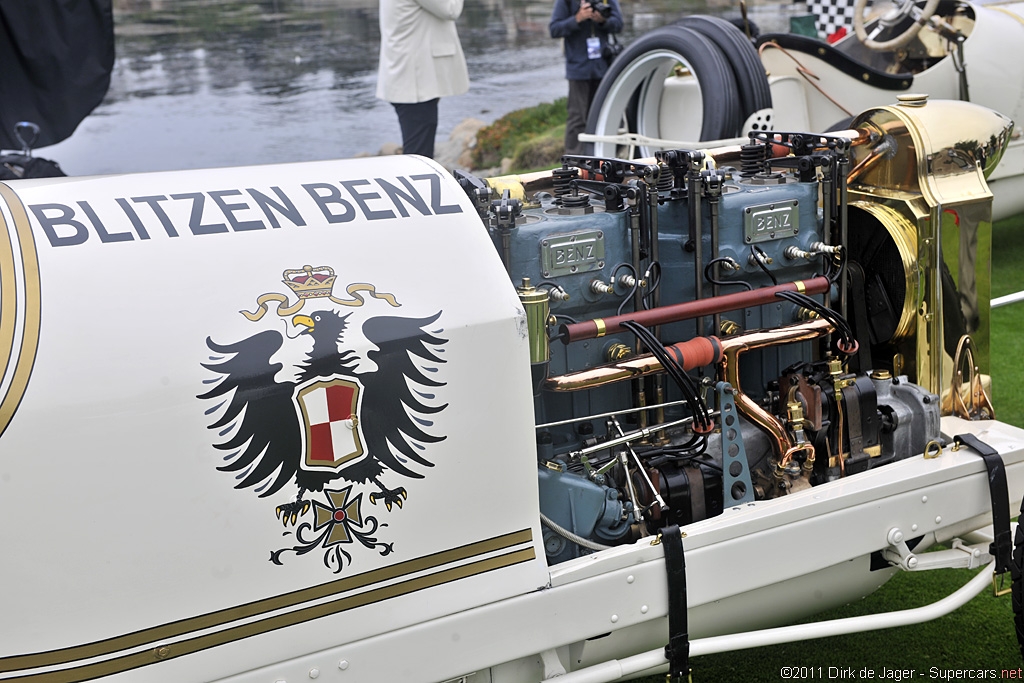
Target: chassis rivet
[314,673]
[343,664]
[643,609]
[913,527]
[938,520]
[615,618]
[630,579]
[924,499]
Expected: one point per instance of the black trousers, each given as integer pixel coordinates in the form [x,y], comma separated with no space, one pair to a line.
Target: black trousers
[581,94]
[419,126]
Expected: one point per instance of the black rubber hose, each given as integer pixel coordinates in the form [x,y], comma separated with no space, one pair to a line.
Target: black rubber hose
[747,69]
[720,99]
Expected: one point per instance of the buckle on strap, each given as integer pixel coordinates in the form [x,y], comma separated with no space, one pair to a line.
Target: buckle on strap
[669,679]
[997,589]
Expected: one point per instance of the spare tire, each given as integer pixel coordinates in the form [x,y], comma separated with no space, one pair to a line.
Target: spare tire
[747,69]
[643,68]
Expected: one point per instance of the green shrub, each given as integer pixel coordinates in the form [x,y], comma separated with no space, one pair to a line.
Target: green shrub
[504,137]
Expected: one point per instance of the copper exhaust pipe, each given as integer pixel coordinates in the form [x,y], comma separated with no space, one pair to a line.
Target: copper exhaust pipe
[693,354]
[728,368]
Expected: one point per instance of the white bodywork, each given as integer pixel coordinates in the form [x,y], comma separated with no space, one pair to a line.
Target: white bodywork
[108,471]
[810,94]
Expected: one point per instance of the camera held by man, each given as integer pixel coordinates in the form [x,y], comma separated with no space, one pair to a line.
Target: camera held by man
[603,8]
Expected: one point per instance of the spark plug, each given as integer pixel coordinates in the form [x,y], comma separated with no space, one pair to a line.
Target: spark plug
[794,253]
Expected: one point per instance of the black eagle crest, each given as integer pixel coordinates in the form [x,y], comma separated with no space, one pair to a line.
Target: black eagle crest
[262,426]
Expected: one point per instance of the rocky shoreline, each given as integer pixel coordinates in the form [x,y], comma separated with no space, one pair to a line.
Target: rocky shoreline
[456,151]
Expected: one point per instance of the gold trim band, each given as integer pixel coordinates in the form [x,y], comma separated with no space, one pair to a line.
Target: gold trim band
[230,614]
[800,286]
[185,647]
[8,304]
[1007,12]
[601,329]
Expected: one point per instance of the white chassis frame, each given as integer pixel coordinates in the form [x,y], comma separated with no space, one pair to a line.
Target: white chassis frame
[818,541]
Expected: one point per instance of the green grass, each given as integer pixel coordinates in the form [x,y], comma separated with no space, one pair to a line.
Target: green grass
[979,635]
[1008,321]
[531,137]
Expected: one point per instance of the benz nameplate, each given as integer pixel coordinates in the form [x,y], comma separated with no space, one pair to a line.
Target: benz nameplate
[575,252]
[775,221]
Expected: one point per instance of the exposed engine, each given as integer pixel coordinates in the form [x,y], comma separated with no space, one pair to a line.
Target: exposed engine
[696,341]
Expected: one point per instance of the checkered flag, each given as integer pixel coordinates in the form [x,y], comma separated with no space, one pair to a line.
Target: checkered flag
[831,16]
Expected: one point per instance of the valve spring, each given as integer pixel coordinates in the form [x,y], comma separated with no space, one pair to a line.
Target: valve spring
[561,178]
[575,200]
[753,160]
[665,179]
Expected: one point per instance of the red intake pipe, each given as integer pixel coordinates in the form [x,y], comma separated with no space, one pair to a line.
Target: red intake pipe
[599,327]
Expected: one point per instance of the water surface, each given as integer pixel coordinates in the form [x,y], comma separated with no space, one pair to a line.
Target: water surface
[200,84]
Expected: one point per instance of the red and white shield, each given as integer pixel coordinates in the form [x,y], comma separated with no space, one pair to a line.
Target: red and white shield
[330,412]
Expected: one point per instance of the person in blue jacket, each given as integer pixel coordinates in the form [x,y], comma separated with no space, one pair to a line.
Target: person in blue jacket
[586,26]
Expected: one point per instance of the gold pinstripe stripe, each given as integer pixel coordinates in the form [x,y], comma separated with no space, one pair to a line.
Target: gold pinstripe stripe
[295,598]
[166,652]
[1007,12]
[26,356]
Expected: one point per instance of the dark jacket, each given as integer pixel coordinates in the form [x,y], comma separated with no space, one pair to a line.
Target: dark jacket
[578,67]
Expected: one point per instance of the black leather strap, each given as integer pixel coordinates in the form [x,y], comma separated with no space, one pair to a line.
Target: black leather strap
[678,649]
[1002,547]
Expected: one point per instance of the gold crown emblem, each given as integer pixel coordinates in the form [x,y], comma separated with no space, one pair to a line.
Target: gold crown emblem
[310,282]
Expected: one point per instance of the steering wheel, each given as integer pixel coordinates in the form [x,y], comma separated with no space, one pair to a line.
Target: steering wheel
[902,10]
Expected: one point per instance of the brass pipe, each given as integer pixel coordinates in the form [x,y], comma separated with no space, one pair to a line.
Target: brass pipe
[728,370]
[695,353]
[866,164]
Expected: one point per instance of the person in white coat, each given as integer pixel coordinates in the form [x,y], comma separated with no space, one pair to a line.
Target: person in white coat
[421,60]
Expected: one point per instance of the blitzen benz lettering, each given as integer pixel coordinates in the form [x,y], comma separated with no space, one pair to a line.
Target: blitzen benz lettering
[127,219]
